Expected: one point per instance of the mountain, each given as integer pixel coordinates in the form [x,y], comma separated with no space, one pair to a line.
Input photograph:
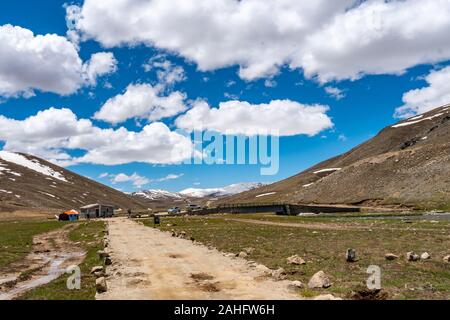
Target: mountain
[406,164]
[161,199]
[29,182]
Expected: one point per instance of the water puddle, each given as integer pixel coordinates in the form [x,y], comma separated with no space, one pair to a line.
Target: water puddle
[54,271]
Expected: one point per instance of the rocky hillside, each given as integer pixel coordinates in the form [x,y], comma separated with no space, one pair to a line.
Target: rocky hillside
[30,182]
[406,164]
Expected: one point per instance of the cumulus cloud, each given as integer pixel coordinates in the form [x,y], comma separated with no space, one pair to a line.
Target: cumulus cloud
[435,94]
[142,101]
[53,133]
[330,40]
[137,180]
[279,117]
[167,73]
[48,63]
[336,93]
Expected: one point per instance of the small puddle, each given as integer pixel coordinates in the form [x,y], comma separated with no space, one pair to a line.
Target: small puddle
[55,270]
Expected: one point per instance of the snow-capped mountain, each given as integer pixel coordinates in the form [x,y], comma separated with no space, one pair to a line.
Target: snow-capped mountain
[221,192]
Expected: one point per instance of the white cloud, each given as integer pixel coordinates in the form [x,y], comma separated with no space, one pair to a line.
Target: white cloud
[100,64]
[142,101]
[436,94]
[279,117]
[52,133]
[48,63]
[168,74]
[332,40]
[137,180]
[169,177]
[336,93]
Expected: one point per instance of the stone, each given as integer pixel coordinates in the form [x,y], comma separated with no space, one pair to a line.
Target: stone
[350,255]
[99,274]
[296,285]
[97,269]
[182,235]
[447,258]
[102,254]
[100,285]
[411,256]
[263,269]
[296,260]
[279,274]
[319,280]
[391,256]
[425,256]
[249,250]
[108,261]
[243,255]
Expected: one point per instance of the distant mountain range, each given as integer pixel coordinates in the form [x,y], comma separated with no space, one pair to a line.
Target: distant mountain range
[406,164]
[30,182]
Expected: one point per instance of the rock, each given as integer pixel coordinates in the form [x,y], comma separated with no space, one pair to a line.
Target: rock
[182,235]
[296,285]
[99,274]
[279,275]
[243,255]
[296,260]
[97,269]
[327,297]
[425,256]
[263,269]
[192,239]
[319,280]
[249,250]
[391,256]
[230,255]
[102,254]
[350,255]
[447,258]
[108,261]
[100,285]
[411,256]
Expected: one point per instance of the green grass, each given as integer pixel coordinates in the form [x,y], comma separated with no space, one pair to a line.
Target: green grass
[16,238]
[325,250]
[90,235]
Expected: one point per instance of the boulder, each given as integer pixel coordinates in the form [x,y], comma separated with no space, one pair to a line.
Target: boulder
[425,256]
[279,274]
[296,260]
[100,285]
[263,269]
[249,250]
[96,269]
[447,258]
[243,255]
[99,274]
[182,235]
[319,280]
[327,297]
[391,256]
[411,256]
[350,255]
[108,261]
[103,254]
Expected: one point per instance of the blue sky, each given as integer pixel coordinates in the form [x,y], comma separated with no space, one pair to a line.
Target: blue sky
[368,103]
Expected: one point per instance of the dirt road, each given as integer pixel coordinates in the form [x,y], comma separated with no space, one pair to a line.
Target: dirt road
[149,264]
[51,254]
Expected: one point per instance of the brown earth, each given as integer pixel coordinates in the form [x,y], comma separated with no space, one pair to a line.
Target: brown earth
[152,265]
[403,166]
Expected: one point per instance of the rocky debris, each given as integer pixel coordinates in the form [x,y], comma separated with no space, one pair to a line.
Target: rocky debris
[447,258]
[350,255]
[279,274]
[367,294]
[327,297]
[243,255]
[100,285]
[182,235]
[229,255]
[103,254]
[263,269]
[296,285]
[319,280]
[296,260]
[391,257]
[249,250]
[411,256]
[108,261]
[425,256]
[96,269]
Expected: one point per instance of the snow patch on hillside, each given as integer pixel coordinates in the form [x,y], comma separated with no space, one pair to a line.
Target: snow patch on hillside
[221,192]
[34,165]
[411,121]
[328,170]
[265,194]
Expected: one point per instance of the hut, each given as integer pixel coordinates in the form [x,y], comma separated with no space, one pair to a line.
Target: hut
[71,215]
[97,210]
